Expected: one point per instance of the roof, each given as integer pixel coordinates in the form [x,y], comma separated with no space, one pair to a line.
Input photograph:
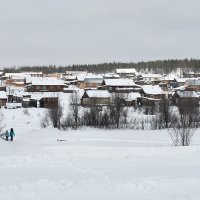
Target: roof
[111,76]
[151,76]
[153,89]
[46,81]
[181,80]
[17,75]
[119,82]
[98,94]
[126,71]
[75,72]
[193,82]
[183,94]
[93,78]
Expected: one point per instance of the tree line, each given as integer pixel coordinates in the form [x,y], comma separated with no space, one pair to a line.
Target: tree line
[158,66]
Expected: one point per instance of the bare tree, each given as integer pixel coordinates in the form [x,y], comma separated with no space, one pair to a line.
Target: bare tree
[116,109]
[184,124]
[75,108]
[165,112]
[55,112]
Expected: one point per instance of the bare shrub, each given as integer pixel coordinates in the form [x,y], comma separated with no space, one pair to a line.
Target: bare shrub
[44,121]
[26,112]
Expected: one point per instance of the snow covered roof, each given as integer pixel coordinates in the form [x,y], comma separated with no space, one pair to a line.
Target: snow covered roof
[75,72]
[153,89]
[39,95]
[188,94]
[17,75]
[98,94]
[3,95]
[181,80]
[180,88]
[119,82]
[169,77]
[151,75]
[34,73]
[126,71]
[46,81]
[111,76]
[193,82]
[93,79]
[81,77]
[70,77]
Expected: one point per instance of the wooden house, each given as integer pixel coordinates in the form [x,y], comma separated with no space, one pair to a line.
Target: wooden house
[46,85]
[120,85]
[95,97]
[91,81]
[190,96]
[154,92]
[126,72]
[151,78]
[193,84]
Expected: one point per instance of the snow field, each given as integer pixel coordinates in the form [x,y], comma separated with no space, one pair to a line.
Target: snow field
[94,164]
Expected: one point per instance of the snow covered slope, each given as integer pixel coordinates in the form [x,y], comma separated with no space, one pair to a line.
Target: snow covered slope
[94,164]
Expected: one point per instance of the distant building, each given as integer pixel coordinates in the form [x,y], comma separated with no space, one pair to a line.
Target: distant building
[95,97]
[46,86]
[126,72]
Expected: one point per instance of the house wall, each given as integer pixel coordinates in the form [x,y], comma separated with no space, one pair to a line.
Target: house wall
[47,88]
[194,87]
[95,101]
[49,102]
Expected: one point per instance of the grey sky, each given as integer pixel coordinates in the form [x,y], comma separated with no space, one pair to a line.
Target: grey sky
[62,32]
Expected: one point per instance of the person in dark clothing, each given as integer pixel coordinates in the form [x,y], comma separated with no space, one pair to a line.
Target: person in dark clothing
[7,135]
[12,134]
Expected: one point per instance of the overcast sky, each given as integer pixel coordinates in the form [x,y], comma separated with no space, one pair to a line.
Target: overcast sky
[63,32]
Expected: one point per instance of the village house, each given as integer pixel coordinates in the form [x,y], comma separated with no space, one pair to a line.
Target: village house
[154,91]
[111,76]
[120,85]
[168,82]
[91,81]
[75,73]
[46,85]
[15,80]
[193,84]
[151,78]
[95,97]
[190,96]
[180,81]
[33,74]
[126,72]
[191,74]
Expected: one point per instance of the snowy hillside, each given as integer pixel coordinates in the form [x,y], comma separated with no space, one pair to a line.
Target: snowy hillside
[94,164]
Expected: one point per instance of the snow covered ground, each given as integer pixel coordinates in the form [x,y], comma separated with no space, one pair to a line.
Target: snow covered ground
[93,164]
